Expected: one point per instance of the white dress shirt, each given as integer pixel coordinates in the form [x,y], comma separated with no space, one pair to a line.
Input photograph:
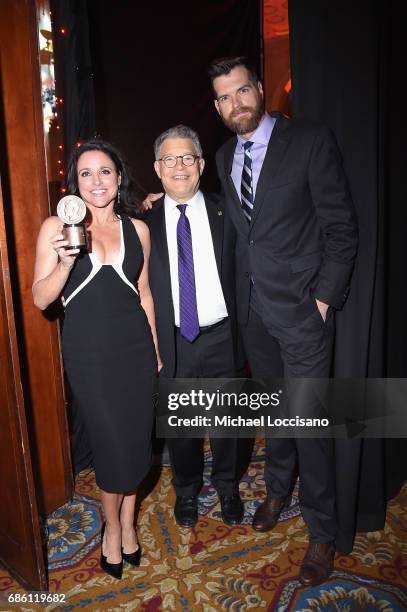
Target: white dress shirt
[209,295]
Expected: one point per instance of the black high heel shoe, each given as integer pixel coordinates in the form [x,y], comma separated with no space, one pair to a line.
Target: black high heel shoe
[113,569]
[133,558]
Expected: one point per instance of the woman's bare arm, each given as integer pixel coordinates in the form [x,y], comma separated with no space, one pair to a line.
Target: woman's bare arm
[146,297]
[53,263]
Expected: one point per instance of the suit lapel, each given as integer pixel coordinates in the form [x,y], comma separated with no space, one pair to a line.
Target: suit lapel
[157,224]
[215,216]
[275,152]
[159,235]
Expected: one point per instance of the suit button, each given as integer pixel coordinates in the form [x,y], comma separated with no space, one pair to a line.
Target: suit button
[251,242]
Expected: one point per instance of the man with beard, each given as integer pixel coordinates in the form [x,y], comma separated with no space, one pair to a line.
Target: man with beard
[287,195]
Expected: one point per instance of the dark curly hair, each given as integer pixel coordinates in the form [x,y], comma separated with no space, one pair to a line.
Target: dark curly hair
[129,201]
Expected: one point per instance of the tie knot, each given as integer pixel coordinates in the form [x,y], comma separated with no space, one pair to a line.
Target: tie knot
[182,208]
[247,145]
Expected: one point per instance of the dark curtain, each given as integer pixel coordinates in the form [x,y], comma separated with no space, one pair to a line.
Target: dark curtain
[74,84]
[130,70]
[345,58]
[73,71]
[150,63]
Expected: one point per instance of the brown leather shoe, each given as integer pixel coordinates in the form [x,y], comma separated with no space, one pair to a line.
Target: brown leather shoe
[318,564]
[266,515]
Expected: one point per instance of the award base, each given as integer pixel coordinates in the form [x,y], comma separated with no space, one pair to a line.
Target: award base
[76,235]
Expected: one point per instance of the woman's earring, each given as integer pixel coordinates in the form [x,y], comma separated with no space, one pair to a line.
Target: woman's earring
[118,195]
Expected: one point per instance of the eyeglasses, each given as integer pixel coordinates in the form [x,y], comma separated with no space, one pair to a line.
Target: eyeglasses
[170,161]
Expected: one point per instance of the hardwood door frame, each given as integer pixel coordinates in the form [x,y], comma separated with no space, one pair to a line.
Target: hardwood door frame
[21,548]
[26,205]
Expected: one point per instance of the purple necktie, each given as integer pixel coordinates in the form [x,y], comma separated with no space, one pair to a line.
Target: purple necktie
[188,311]
[247,182]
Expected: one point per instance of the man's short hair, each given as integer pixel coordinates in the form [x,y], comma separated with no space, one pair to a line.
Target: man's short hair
[179,131]
[223,65]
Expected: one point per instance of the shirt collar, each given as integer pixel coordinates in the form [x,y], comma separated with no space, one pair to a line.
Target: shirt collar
[262,133]
[171,204]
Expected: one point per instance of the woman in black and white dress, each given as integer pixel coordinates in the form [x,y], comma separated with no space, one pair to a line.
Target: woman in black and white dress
[109,340]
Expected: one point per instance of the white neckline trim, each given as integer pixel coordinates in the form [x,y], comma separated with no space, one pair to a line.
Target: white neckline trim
[97,265]
[119,259]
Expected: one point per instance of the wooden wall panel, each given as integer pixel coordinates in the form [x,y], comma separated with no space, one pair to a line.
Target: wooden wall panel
[21,550]
[26,206]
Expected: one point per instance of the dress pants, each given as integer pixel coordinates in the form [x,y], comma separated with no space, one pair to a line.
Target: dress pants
[209,356]
[302,351]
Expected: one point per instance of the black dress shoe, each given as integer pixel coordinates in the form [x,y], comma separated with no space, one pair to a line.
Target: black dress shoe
[113,569]
[133,558]
[186,510]
[232,509]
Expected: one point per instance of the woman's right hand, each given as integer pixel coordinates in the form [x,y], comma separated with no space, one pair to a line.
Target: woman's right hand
[67,257]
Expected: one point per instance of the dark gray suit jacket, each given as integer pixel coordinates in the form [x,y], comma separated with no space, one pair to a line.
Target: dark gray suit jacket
[224,239]
[302,239]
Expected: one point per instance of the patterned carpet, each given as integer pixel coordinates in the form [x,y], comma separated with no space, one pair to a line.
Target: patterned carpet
[214,567]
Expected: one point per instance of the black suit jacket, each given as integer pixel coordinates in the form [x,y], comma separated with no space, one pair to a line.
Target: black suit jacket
[302,239]
[224,239]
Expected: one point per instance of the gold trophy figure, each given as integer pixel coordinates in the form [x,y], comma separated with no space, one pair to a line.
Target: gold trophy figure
[72,210]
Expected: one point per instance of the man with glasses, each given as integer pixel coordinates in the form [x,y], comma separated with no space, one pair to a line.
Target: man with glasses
[192,282]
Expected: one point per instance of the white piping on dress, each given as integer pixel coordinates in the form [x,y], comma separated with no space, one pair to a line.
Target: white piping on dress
[118,265]
[97,265]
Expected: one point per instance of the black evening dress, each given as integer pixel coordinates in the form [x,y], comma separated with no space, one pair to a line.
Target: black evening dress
[110,362]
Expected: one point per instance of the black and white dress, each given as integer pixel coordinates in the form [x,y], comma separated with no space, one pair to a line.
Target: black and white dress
[110,362]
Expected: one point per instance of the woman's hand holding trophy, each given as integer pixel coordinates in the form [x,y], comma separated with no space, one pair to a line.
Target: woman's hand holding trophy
[72,237]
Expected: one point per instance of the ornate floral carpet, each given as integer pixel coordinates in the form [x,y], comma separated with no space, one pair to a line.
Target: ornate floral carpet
[214,567]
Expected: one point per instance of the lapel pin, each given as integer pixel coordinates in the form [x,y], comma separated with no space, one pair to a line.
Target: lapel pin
[220,213]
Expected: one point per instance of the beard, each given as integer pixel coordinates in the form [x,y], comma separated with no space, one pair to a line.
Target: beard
[247,124]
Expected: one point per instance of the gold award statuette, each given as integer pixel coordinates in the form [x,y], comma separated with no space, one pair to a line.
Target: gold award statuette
[72,210]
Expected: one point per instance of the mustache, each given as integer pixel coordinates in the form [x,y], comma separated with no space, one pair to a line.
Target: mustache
[241,109]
